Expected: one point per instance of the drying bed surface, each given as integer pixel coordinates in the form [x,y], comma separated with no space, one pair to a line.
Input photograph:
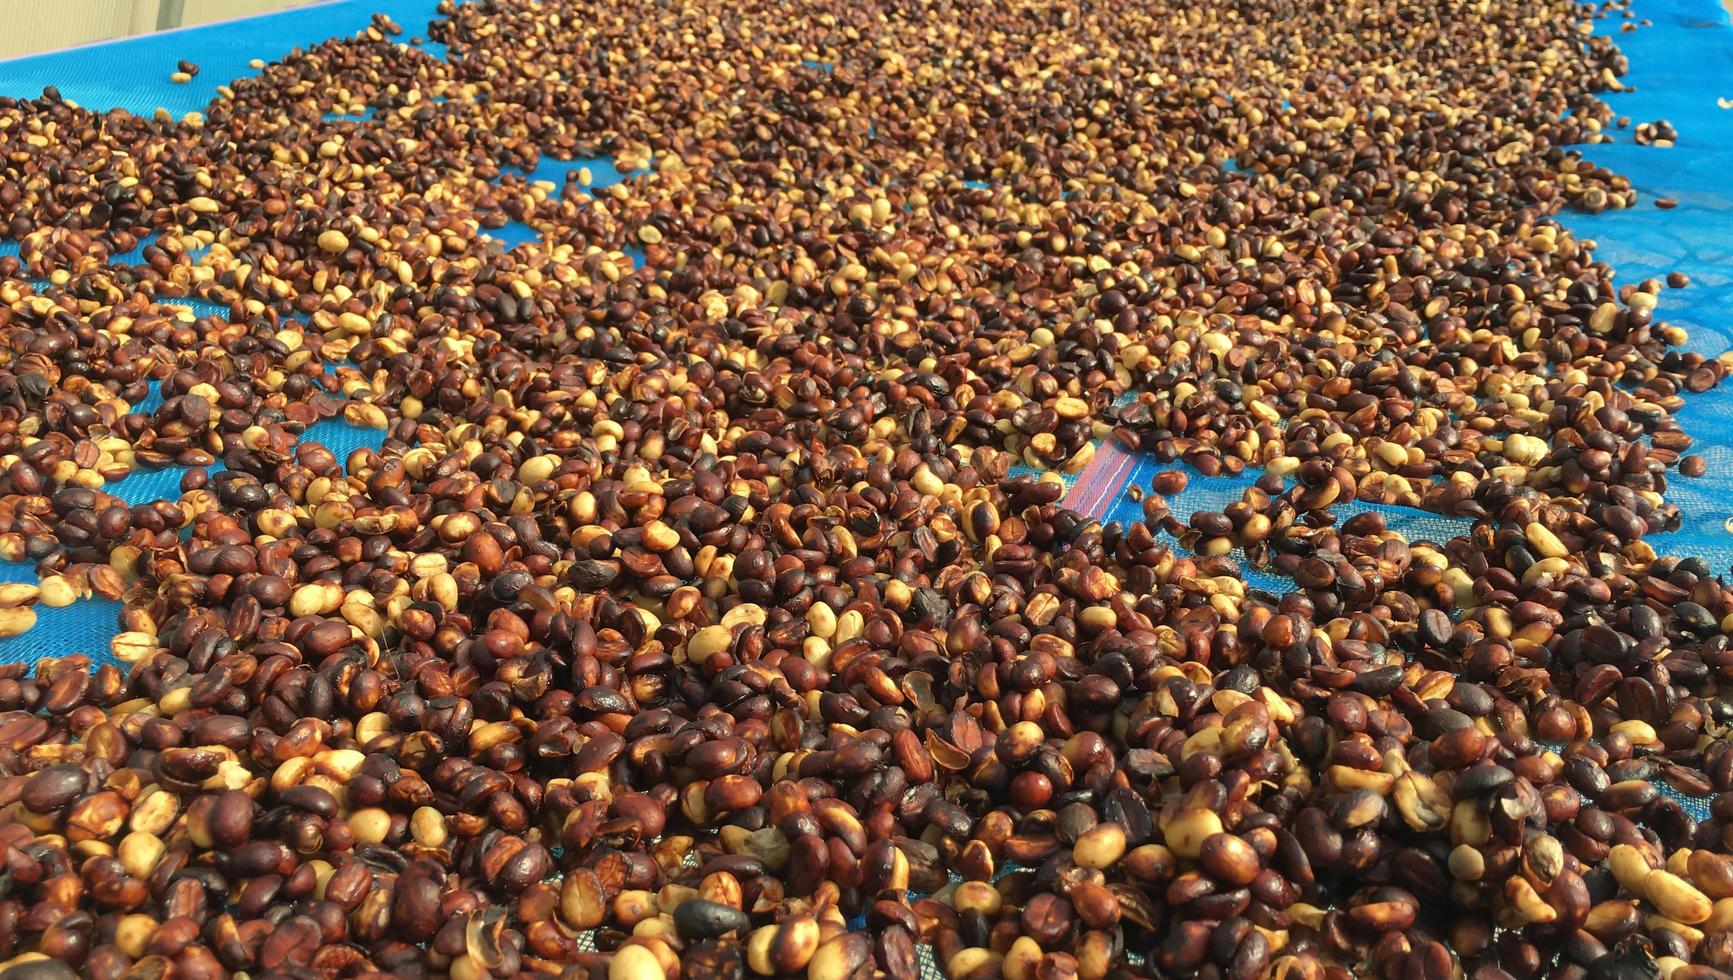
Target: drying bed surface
[1037,490]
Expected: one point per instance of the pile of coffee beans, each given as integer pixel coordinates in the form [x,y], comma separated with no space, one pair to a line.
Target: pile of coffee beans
[692,622]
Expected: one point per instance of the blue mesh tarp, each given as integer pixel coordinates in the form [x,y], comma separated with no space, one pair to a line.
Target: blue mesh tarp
[555,171]
[1668,65]
[1678,70]
[603,173]
[88,625]
[1695,236]
[1668,70]
[134,73]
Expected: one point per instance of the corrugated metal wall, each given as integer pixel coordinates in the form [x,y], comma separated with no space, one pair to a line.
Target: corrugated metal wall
[32,26]
[205,11]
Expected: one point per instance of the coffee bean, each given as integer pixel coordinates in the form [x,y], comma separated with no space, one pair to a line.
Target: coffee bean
[700,919]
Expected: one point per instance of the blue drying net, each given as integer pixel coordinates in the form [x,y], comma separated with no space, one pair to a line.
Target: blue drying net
[134,74]
[603,173]
[1643,242]
[1678,68]
[1672,71]
[89,625]
[1667,70]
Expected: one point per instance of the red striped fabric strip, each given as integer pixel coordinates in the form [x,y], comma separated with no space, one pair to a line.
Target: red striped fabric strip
[1095,486]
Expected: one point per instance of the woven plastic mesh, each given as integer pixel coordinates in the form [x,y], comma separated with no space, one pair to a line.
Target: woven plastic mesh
[1667,61]
[1695,237]
[557,172]
[135,255]
[88,626]
[133,73]
[1678,67]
